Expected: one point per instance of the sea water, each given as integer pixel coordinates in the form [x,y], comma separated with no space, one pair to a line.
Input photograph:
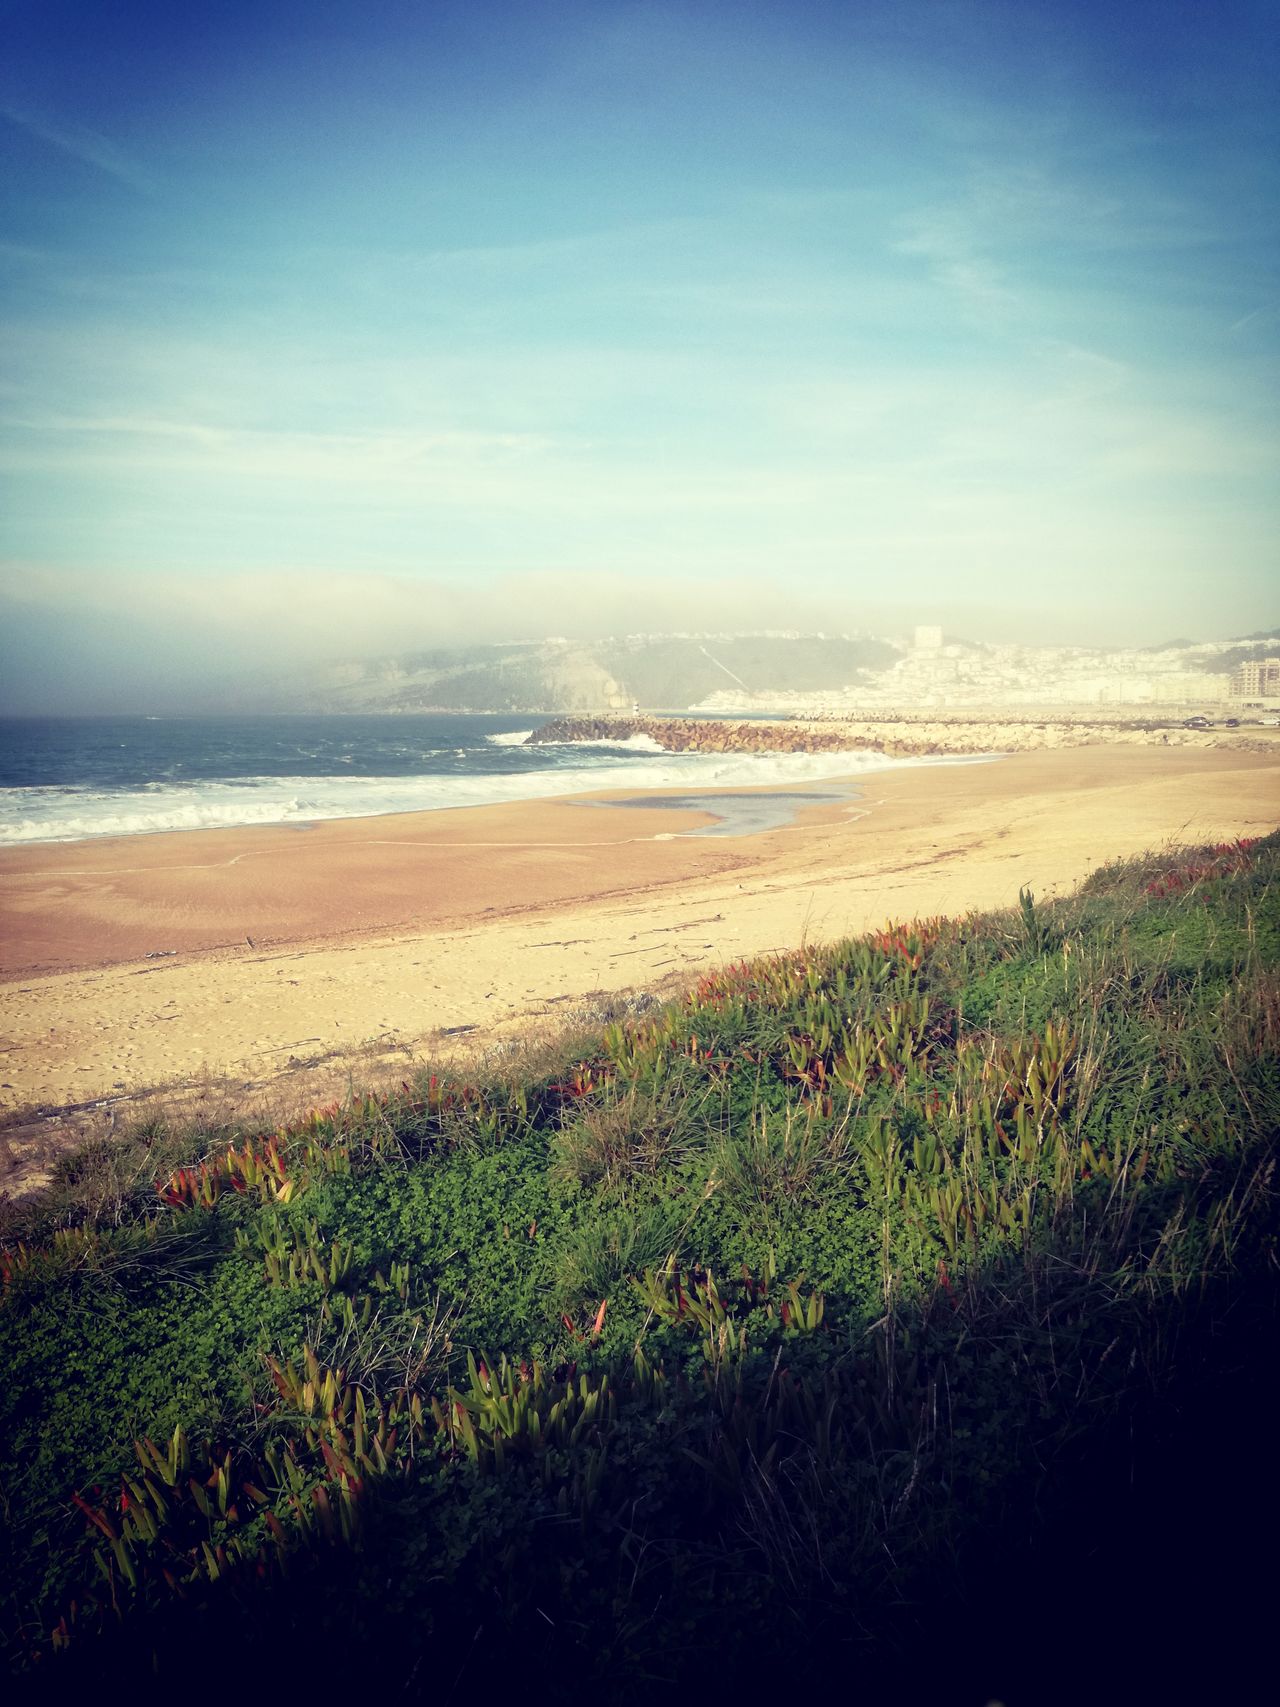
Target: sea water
[71,778]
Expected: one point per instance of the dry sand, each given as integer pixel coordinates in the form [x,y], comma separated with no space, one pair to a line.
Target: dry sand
[303,961]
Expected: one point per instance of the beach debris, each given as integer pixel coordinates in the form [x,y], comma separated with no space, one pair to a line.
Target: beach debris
[685,925]
[159,953]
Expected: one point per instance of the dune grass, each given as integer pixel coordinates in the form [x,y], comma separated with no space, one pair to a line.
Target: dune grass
[888,1305]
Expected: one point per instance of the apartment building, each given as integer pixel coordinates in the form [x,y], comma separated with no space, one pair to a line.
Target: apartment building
[1256,678]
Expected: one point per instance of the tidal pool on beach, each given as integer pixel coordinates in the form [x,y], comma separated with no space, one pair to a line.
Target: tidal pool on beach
[735,814]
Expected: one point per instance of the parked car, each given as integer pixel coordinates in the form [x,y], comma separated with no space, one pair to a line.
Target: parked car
[1196,723]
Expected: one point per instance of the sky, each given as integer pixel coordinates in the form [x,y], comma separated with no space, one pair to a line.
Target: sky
[332,329]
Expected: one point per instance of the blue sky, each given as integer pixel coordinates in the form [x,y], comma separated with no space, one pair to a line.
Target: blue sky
[345,327]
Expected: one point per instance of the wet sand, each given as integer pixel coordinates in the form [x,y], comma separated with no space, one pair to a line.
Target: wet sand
[69,906]
[309,960]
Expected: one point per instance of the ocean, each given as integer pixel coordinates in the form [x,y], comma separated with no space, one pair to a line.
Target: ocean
[68,779]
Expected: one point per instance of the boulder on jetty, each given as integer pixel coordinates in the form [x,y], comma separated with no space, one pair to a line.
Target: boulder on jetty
[901,736]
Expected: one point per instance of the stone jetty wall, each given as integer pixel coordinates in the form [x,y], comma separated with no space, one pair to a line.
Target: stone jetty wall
[905,736]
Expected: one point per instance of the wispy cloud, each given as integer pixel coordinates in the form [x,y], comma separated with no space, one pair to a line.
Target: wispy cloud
[1005,228]
[947,241]
[83,144]
[1268,311]
[605,242]
[408,471]
[450,463]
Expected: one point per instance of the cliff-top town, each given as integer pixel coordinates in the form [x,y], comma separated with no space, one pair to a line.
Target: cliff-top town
[936,673]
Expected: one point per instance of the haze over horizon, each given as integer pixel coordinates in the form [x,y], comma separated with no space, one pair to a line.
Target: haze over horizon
[344,330]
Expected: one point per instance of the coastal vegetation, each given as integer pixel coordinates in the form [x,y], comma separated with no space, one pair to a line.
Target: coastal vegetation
[905,1305]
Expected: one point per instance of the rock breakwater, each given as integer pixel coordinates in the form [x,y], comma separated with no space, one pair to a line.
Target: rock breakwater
[695,734]
[901,737]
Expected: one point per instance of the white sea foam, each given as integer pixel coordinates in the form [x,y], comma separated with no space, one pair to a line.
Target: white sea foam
[69,814]
[637,743]
[513,738]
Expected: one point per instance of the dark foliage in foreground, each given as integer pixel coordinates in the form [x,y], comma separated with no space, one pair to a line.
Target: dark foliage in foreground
[900,1311]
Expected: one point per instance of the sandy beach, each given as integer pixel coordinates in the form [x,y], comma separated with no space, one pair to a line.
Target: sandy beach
[293,964]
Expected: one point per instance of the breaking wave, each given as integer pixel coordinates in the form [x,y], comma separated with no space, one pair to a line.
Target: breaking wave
[68,814]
